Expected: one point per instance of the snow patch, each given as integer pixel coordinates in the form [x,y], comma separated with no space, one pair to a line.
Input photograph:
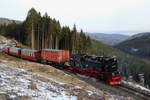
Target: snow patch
[16,82]
[3,65]
[134,49]
[135,85]
[83,76]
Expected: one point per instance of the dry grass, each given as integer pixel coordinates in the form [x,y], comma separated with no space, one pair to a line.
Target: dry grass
[32,86]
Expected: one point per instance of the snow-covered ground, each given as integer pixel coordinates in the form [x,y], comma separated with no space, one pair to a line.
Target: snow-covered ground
[17,82]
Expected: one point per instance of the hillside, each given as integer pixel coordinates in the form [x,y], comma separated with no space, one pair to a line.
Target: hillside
[137,45]
[25,80]
[30,79]
[109,39]
[128,65]
[7,21]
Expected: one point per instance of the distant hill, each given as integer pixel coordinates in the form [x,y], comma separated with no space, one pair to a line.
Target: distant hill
[7,21]
[109,39]
[137,45]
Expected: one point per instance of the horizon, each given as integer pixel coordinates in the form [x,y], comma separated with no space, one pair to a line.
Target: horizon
[123,32]
[96,17]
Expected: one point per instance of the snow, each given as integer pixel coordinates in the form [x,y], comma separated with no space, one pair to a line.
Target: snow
[16,81]
[83,76]
[134,49]
[135,85]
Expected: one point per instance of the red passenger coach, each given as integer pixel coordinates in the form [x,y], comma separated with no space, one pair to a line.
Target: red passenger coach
[56,56]
[34,55]
[6,50]
[14,51]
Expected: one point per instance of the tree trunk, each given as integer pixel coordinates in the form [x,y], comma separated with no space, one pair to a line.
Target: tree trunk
[32,37]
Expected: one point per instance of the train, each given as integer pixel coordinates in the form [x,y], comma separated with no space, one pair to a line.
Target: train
[99,67]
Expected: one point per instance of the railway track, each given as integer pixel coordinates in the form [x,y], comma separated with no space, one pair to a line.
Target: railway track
[133,92]
[145,96]
[119,90]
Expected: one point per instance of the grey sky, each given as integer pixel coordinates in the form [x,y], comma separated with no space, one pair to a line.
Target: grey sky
[90,15]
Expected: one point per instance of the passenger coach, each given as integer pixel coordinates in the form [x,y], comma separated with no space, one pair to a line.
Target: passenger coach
[33,55]
[14,51]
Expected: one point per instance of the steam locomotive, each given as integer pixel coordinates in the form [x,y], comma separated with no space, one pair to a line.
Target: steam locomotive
[99,67]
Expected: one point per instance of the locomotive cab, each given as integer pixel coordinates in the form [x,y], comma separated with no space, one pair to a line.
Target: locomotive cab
[113,78]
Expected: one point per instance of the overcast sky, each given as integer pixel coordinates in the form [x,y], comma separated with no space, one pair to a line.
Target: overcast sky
[90,15]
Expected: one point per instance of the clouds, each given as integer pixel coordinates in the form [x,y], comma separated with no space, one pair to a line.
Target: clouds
[91,15]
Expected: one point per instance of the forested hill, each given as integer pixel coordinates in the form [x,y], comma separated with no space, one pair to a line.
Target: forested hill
[7,21]
[137,45]
[43,32]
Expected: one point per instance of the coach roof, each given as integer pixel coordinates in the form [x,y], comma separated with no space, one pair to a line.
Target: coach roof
[53,50]
[29,50]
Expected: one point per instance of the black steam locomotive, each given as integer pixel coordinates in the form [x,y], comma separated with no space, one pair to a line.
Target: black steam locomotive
[103,68]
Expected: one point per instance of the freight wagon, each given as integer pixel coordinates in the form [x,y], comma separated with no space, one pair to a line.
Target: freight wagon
[55,56]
